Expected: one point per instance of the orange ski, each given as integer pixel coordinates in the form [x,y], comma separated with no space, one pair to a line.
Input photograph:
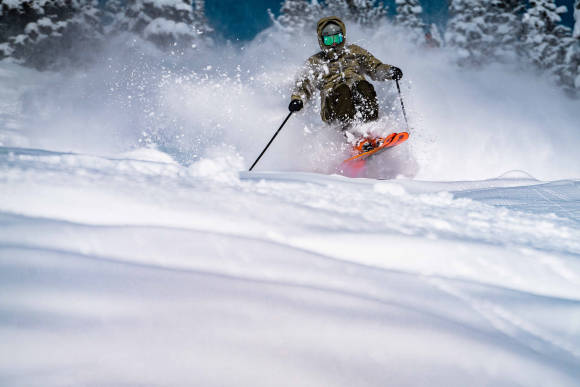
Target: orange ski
[378,145]
[355,166]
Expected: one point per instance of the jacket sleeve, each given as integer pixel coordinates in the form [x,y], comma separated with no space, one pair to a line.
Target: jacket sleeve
[373,67]
[303,87]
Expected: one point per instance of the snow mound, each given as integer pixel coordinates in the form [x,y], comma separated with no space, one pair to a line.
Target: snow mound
[223,169]
[389,188]
[516,175]
[148,154]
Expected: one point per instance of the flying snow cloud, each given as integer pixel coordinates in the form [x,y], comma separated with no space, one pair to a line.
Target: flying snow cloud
[465,123]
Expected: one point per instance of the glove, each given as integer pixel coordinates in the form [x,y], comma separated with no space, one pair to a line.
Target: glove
[296,105]
[395,73]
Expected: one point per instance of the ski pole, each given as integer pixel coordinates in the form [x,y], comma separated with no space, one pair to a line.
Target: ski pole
[272,139]
[402,104]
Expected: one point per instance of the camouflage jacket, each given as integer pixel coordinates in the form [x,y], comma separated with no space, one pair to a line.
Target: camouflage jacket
[335,65]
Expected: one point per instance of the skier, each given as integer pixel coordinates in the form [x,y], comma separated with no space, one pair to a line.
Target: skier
[338,72]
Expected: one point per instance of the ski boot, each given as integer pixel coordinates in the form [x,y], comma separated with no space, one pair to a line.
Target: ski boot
[367,144]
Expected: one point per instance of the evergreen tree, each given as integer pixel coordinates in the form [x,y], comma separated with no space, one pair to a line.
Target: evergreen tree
[577,19]
[433,38]
[50,34]
[338,8]
[14,16]
[503,23]
[201,23]
[485,31]
[166,23]
[571,76]
[364,12]
[409,16]
[367,12]
[113,11]
[466,30]
[545,40]
[298,15]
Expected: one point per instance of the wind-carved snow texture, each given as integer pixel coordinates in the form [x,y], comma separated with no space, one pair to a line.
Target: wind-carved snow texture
[136,250]
[121,271]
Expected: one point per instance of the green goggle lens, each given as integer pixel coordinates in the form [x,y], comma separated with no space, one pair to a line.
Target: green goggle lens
[330,40]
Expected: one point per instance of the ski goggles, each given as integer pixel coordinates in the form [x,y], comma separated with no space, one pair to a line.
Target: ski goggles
[331,39]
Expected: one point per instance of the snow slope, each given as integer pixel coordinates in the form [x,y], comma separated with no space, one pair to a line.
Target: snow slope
[130,272]
[135,249]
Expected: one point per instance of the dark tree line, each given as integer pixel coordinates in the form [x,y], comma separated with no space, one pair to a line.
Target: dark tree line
[51,34]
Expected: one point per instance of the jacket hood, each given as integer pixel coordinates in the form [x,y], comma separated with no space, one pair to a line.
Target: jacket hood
[322,23]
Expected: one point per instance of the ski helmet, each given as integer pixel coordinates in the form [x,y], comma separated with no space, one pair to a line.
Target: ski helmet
[331,29]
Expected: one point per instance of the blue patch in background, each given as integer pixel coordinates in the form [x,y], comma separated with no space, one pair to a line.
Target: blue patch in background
[240,20]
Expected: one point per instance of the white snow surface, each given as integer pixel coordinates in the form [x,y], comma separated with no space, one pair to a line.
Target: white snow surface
[136,250]
[130,272]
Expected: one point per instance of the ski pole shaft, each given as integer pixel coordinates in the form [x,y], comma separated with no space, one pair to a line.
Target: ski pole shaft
[402,104]
[272,139]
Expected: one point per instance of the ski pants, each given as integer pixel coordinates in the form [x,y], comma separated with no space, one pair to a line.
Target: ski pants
[346,104]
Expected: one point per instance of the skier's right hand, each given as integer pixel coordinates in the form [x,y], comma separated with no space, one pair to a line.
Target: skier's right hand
[296,105]
[395,73]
